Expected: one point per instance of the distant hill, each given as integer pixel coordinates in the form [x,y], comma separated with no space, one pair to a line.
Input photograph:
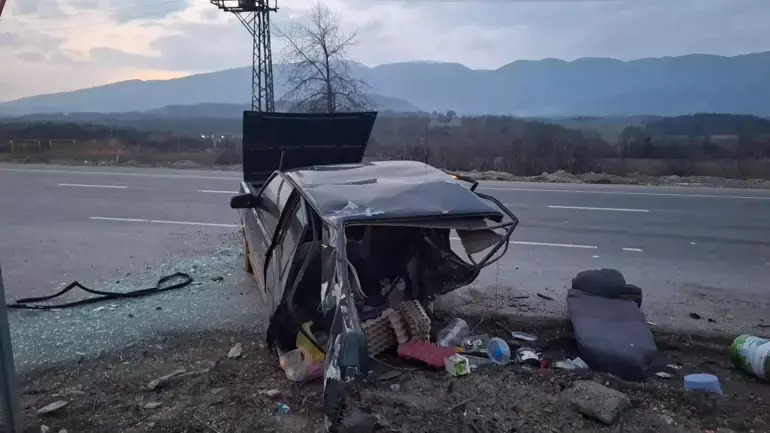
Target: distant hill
[668,86]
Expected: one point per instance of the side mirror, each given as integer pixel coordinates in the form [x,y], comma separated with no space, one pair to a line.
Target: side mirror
[244,201]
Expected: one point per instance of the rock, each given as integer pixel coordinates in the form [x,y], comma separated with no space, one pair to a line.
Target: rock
[152,405]
[359,422]
[52,407]
[667,419]
[597,401]
[236,351]
[44,429]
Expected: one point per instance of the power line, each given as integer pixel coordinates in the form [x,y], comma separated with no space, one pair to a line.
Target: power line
[67,15]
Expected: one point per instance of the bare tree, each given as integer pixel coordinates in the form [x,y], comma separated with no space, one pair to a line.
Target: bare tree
[319,77]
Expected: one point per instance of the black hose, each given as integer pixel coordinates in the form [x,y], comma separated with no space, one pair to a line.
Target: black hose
[26,303]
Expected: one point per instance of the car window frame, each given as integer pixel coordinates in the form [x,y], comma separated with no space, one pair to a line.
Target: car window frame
[294,202]
[276,206]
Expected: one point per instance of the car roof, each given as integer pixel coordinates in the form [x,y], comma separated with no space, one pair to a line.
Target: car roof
[387,190]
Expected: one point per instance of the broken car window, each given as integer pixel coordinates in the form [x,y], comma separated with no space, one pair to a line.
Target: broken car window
[273,199]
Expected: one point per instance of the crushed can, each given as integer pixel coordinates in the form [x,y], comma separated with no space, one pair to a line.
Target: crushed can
[475,343]
[457,365]
[527,356]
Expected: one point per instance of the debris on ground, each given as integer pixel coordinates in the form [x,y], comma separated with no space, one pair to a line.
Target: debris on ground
[597,401]
[155,383]
[52,407]
[530,376]
[752,355]
[241,395]
[702,382]
[236,351]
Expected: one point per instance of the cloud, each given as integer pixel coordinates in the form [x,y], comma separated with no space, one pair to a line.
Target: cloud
[132,10]
[219,43]
[106,39]
[29,56]
[34,7]
[491,34]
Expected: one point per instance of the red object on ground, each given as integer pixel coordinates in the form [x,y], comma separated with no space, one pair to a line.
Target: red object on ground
[423,351]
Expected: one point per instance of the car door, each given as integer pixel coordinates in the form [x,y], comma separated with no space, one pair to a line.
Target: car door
[262,222]
[291,232]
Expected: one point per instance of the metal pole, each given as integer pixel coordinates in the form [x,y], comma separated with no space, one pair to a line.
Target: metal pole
[426,141]
[10,391]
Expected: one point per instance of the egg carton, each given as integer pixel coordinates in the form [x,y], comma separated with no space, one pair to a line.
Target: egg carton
[399,326]
[416,319]
[379,333]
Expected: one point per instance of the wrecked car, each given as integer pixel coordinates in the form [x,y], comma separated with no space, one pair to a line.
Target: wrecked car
[333,242]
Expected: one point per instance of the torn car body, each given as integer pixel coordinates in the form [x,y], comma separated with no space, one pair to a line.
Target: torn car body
[337,243]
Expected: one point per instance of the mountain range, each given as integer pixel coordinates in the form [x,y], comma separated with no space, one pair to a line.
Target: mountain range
[585,87]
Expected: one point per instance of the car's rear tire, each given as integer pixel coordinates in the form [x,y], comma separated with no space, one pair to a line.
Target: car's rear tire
[246,260]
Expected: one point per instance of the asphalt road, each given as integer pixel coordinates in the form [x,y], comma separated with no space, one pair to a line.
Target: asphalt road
[703,250]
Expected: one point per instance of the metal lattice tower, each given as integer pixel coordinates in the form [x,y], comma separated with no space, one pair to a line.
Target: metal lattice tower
[255,16]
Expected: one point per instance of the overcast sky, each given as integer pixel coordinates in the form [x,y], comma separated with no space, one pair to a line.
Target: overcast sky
[57,45]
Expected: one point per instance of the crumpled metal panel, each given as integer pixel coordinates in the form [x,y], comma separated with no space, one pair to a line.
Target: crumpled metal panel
[388,190]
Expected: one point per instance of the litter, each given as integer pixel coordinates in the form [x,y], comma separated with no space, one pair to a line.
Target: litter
[423,351]
[282,408]
[527,356]
[453,333]
[523,336]
[664,375]
[702,382]
[752,355]
[498,351]
[571,364]
[475,343]
[457,365]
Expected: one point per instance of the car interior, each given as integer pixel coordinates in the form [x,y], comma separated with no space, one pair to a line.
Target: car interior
[389,264]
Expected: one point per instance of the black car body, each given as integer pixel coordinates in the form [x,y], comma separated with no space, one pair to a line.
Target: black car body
[323,230]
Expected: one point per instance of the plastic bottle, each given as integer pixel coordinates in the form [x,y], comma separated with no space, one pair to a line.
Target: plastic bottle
[453,334]
[751,354]
[498,351]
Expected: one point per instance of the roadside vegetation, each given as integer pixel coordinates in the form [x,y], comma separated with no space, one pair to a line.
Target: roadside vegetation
[723,145]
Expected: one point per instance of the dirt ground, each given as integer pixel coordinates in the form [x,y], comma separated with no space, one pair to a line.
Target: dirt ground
[222,395]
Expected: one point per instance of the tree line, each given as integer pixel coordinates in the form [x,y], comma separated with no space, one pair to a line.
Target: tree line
[502,143]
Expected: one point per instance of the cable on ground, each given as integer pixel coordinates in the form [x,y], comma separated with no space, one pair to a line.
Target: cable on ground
[29,303]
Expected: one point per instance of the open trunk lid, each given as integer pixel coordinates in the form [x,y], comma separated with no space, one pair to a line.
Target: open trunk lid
[273,141]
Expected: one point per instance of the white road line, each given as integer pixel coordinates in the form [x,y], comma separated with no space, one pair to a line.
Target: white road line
[186,223]
[664,194]
[190,223]
[82,185]
[599,208]
[636,250]
[118,173]
[133,220]
[546,244]
[217,192]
